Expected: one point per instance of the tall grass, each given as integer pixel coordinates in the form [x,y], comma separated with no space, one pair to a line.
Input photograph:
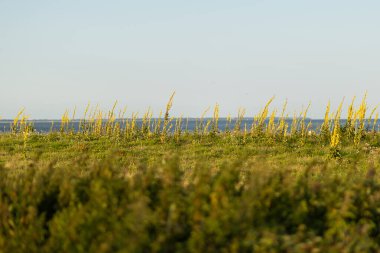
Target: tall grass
[268,123]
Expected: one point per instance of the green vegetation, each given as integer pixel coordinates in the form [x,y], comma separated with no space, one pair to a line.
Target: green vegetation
[117,187]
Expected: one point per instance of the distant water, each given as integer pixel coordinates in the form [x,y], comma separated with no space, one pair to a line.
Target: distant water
[44,126]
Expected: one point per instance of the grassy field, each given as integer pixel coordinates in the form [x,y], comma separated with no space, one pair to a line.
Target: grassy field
[266,188]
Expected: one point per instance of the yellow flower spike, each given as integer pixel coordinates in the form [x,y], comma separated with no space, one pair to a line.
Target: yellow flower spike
[281,124]
[167,118]
[361,117]
[216,118]
[239,120]
[271,126]
[303,124]
[369,122]
[294,126]
[16,120]
[325,127]
[350,113]
[335,137]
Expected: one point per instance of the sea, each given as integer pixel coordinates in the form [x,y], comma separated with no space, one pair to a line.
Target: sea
[190,124]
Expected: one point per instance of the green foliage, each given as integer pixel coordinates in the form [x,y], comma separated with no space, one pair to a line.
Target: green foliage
[238,205]
[119,186]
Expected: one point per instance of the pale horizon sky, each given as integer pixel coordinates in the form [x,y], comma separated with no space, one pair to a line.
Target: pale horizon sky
[55,55]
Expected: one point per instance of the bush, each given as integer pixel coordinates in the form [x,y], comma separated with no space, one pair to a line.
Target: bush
[240,207]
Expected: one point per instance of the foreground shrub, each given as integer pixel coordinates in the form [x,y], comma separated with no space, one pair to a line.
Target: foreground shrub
[240,207]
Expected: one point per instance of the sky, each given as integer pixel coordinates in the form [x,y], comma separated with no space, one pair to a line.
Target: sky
[55,55]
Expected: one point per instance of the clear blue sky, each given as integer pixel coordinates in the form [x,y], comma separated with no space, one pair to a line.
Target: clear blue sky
[60,54]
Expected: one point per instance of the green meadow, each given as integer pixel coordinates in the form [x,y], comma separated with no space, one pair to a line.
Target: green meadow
[267,187]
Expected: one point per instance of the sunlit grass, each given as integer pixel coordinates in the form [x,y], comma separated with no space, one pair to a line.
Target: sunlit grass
[125,182]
